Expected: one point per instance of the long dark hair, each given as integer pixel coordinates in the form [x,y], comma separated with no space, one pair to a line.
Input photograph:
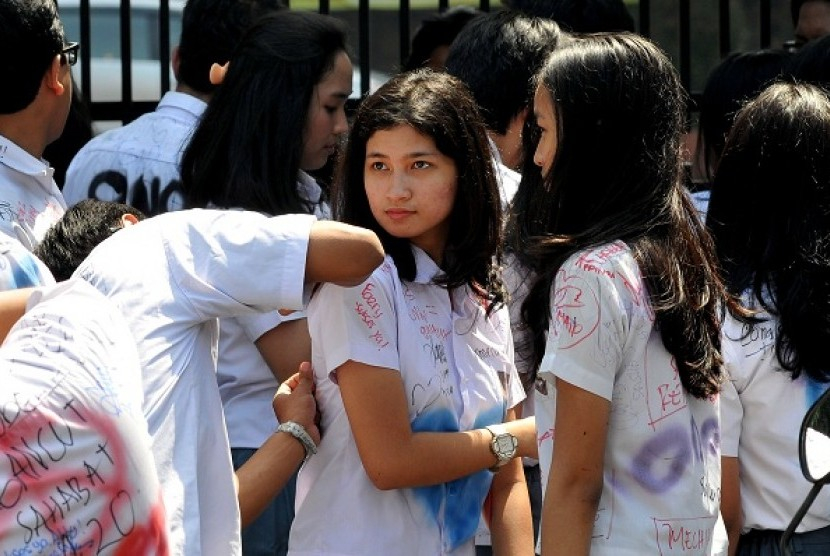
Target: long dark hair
[616,175]
[441,107]
[770,217]
[246,151]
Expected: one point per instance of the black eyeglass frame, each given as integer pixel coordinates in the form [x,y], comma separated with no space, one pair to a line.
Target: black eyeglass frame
[69,53]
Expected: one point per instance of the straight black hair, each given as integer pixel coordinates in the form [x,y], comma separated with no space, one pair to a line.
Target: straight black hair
[770,217]
[616,175]
[440,107]
[247,149]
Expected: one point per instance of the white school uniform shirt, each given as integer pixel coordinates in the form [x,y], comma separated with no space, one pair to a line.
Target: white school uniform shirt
[661,490]
[246,383]
[762,409]
[172,276]
[76,473]
[139,163]
[30,201]
[458,374]
[507,178]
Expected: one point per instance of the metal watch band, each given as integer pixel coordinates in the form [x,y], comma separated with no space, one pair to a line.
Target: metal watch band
[298,431]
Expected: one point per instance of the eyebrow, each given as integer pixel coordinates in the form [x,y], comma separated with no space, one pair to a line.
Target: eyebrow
[417,154]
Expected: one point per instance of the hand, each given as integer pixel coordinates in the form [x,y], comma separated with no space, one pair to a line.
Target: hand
[294,401]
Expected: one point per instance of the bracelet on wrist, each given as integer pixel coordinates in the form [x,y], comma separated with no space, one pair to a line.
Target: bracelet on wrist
[298,431]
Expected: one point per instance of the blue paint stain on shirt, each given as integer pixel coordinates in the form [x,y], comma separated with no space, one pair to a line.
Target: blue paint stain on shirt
[462,499]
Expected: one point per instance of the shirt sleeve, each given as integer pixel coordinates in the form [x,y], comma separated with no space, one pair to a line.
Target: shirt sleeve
[589,320]
[233,262]
[731,409]
[357,323]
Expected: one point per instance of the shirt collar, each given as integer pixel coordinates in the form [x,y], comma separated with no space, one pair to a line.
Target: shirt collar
[173,100]
[425,268]
[16,158]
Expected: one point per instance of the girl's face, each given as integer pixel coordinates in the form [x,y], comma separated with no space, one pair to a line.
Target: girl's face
[548,138]
[411,187]
[326,119]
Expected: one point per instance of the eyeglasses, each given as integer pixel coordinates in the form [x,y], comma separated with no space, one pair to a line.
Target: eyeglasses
[69,53]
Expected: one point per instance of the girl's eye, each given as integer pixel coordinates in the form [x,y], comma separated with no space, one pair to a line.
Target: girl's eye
[421,164]
[377,165]
[331,109]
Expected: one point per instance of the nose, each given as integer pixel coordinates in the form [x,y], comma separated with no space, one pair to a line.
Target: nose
[399,187]
[538,156]
[341,125]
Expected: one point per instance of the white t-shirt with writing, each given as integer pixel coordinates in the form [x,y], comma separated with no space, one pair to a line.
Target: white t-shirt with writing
[76,473]
[661,490]
[458,374]
[762,409]
[172,276]
[30,201]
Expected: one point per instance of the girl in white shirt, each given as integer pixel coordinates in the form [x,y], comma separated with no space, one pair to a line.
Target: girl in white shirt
[769,219]
[279,113]
[623,308]
[414,363]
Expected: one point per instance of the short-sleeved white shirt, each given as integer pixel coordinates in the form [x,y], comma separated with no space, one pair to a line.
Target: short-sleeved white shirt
[139,163]
[30,201]
[76,473]
[762,409]
[246,382]
[172,276]
[19,268]
[661,490]
[458,374]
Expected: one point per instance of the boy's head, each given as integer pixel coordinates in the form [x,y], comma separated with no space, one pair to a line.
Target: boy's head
[31,38]
[79,231]
[211,29]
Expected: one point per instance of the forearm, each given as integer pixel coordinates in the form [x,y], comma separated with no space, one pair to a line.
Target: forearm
[262,477]
[511,526]
[341,254]
[12,307]
[731,501]
[568,516]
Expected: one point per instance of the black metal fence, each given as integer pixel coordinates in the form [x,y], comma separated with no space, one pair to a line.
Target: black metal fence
[695,34]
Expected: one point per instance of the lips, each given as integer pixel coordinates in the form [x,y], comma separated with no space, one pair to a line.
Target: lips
[398,214]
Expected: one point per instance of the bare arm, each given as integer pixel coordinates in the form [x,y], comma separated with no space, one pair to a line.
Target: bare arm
[576,475]
[266,472]
[393,455]
[730,502]
[12,307]
[510,523]
[341,254]
[285,346]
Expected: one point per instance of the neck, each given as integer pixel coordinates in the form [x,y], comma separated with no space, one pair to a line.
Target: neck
[186,89]
[21,129]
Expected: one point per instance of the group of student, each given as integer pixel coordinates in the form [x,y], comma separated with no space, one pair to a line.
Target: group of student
[661,369]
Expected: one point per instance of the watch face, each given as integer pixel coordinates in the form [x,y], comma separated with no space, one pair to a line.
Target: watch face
[505,445]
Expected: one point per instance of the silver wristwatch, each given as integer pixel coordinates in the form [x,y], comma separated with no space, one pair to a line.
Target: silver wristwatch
[503,445]
[298,431]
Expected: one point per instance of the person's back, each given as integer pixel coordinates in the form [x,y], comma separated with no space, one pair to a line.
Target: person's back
[138,164]
[34,104]
[774,254]
[77,473]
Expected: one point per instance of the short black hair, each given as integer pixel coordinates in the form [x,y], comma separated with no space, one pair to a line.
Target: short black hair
[496,56]
[78,232]
[211,29]
[580,16]
[437,30]
[31,35]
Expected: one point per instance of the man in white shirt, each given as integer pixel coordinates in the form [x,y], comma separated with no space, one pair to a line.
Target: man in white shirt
[138,164]
[172,276]
[34,104]
[496,55]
